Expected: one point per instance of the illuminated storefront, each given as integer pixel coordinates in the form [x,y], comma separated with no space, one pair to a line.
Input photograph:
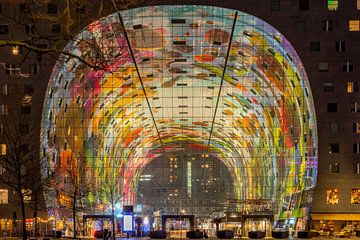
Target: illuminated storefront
[181,78]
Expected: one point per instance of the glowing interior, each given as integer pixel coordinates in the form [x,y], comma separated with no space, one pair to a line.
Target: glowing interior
[203,81]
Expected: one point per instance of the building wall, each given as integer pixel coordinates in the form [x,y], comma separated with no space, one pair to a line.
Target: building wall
[301,27]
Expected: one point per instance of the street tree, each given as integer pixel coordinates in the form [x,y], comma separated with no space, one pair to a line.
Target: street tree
[20,162]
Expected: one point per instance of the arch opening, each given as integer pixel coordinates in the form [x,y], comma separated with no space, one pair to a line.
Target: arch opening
[182,78]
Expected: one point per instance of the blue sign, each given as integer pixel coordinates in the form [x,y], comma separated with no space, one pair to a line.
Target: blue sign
[128,223]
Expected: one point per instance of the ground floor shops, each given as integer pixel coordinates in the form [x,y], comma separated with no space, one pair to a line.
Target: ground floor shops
[336,224]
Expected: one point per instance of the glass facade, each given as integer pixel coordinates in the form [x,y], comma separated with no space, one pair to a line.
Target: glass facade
[180,79]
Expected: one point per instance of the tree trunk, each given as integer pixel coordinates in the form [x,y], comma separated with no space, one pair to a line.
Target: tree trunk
[23,217]
[35,215]
[74,216]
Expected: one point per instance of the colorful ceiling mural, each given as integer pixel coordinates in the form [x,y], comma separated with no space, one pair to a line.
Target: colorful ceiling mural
[181,78]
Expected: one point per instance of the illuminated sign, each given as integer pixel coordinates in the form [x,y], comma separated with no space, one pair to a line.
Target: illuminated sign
[128,223]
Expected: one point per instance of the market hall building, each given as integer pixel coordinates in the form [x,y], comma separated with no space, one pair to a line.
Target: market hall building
[268,89]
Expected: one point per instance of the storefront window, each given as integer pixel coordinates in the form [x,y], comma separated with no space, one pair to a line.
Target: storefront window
[4,196]
[355,196]
[332,196]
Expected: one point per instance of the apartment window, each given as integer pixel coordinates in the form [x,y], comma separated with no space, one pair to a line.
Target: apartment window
[358,4]
[24,8]
[303,5]
[323,66]
[355,108]
[4,29]
[4,109]
[27,195]
[348,66]
[328,87]
[357,167]
[352,87]
[327,25]
[332,5]
[28,89]
[24,148]
[2,130]
[356,148]
[4,89]
[9,68]
[334,148]
[354,25]
[332,107]
[333,127]
[334,168]
[34,68]
[26,109]
[24,129]
[355,196]
[3,149]
[340,46]
[332,196]
[52,8]
[16,50]
[30,29]
[274,5]
[4,196]
[356,127]
[300,26]
[55,28]
[314,46]
[81,8]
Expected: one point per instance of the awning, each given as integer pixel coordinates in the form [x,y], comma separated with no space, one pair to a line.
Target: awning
[336,216]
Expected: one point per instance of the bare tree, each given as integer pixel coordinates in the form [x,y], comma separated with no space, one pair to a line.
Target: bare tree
[114,200]
[20,162]
[76,186]
[42,45]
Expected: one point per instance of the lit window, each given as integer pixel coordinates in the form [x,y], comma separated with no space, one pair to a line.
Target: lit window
[4,109]
[352,87]
[328,87]
[357,168]
[4,196]
[34,68]
[15,50]
[327,25]
[340,46]
[334,148]
[354,25]
[4,89]
[355,108]
[356,127]
[334,168]
[27,195]
[333,127]
[332,5]
[3,149]
[332,196]
[30,29]
[358,4]
[348,66]
[323,66]
[355,196]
